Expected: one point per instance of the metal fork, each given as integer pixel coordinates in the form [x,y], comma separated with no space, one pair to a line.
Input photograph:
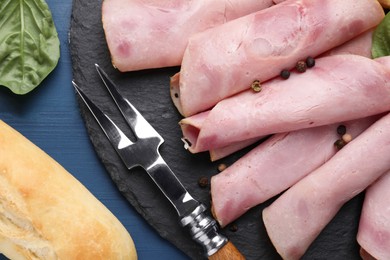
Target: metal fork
[144,152]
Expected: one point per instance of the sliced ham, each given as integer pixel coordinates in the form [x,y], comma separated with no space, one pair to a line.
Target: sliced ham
[298,216]
[226,59]
[251,170]
[274,166]
[143,34]
[339,88]
[219,153]
[360,45]
[374,227]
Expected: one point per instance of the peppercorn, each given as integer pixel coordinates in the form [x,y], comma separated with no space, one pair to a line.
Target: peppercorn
[233,227]
[310,62]
[285,74]
[341,129]
[339,144]
[301,66]
[222,167]
[203,182]
[256,86]
[346,138]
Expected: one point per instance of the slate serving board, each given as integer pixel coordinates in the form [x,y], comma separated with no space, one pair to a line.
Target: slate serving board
[148,90]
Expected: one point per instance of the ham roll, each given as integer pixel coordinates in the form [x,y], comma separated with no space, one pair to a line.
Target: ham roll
[226,59]
[297,217]
[143,34]
[360,45]
[275,165]
[339,88]
[374,227]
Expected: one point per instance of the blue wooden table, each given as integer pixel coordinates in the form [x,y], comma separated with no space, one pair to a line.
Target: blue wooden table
[49,116]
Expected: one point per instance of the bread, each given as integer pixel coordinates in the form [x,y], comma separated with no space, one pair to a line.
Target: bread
[385,3]
[45,213]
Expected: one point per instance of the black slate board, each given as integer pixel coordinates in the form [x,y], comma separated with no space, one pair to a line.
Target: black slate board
[149,91]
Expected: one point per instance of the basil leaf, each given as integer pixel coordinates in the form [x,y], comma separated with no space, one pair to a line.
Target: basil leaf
[29,44]
[381,39]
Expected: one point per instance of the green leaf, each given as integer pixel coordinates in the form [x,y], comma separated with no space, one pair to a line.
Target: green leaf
[381,39]
[29,44]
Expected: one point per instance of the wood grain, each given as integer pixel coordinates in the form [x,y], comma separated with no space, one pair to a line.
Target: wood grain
[227,252]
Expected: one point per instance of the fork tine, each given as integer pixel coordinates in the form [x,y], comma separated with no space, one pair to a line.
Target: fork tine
[139,125]
[117,138]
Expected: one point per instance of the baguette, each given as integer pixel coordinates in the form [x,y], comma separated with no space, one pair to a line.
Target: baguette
[45,213]
[385,3]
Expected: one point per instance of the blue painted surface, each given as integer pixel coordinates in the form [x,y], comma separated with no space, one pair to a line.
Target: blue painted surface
[49,116]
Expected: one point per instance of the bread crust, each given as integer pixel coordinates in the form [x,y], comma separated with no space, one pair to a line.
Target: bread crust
[385,3]
[45,213]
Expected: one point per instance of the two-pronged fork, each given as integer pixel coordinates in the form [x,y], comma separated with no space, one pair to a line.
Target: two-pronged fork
[144,152]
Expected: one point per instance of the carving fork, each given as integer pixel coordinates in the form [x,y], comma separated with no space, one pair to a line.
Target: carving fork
[144,152]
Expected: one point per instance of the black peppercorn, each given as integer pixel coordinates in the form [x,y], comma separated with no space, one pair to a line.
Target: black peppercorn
[341,129]
[285,74]
[233,227]
[203,182]
[301,66]
[310,62]
[339,144]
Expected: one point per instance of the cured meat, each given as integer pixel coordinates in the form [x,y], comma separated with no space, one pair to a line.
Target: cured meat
[216,154]
[384,3]
[374,227]
[226,60]
[231,200]
[274,166]
[320,96]
[360,45]
[144,34]
[297,217]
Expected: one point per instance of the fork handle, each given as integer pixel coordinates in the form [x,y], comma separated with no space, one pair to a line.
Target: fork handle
[227,252]
[204,230]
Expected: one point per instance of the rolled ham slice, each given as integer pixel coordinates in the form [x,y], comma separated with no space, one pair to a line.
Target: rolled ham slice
[273,166]
[298,216]
[374,227]
[143,34]
[360,45]
[222,152]
[226,59]
[339,88]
